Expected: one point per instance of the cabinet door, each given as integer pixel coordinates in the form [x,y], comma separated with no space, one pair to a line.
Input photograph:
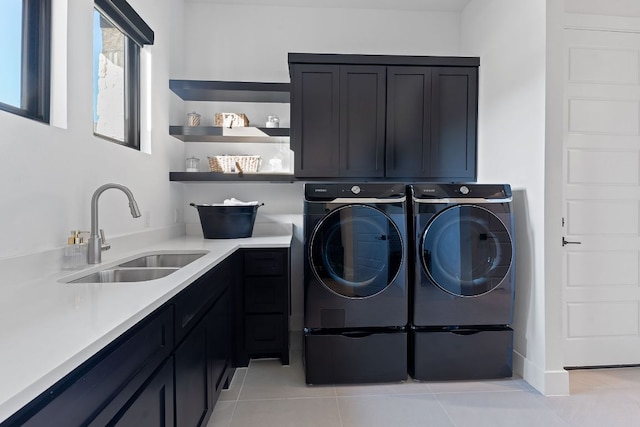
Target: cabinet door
[192,391]
[264,333]
[265,294]
[193,302]
[362,120]
[219,344]
[261,262]
[314,120]
[262,326]
[107,380]
[408,151]
[454,110]
[153,405]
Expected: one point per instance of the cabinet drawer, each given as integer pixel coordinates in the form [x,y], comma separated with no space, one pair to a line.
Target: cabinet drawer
[264,333]
[264,263]
[152,405]
[114,373]
[264,294]
[461,354]
[192,303]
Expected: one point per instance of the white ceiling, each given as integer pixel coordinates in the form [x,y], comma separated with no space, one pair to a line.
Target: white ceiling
[435,5]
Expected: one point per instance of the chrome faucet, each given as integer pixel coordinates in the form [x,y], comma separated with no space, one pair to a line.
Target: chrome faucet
[96,238]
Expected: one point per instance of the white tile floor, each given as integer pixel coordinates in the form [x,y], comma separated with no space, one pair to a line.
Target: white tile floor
[267,394]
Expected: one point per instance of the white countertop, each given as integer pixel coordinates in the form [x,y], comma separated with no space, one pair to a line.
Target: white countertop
[48,328]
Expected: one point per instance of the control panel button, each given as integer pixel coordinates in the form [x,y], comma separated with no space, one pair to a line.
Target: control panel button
[355,189]
[464,190]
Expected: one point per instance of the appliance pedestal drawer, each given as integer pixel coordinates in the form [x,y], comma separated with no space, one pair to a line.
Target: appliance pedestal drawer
[355,357]
[461,354]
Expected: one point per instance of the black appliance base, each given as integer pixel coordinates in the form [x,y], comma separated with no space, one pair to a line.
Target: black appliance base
[461,354]
[355,357]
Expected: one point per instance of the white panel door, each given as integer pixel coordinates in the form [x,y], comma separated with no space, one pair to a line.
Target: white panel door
[601,198]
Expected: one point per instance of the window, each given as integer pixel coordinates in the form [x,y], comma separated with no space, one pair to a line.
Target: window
[118,35]
[25,31]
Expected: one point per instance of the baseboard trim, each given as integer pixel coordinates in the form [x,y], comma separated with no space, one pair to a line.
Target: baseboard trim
[549,383]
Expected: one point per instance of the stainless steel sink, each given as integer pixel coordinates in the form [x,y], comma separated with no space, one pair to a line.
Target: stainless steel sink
[116,275]
[146,267]
[175,260]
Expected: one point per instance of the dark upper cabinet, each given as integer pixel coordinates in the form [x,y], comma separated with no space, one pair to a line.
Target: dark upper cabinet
[362,121]
[370,116]
[431,122]
[408,149]
[338,120]
[454,115]
[315,120]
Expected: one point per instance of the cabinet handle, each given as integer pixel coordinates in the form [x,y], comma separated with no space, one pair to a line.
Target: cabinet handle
[567,242]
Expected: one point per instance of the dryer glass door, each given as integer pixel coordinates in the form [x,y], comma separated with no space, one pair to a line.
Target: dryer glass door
[466,250]
[356,251]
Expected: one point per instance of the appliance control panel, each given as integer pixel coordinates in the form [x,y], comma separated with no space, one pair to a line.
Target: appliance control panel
[459,191]
[330,191]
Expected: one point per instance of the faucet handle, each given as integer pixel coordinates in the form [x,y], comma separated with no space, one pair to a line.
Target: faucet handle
[103,241]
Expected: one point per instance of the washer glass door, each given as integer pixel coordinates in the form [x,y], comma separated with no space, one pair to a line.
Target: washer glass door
[356,251]
[466,250]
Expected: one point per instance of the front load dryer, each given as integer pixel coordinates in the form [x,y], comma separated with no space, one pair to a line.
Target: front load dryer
[463,281]
[355,283]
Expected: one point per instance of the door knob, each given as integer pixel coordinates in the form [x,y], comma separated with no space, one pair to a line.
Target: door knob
[567,242]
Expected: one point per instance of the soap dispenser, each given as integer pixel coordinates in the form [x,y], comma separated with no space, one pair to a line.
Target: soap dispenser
[75,253]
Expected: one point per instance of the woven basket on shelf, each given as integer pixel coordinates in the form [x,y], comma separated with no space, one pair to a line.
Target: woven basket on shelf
[234,164]
[231,120]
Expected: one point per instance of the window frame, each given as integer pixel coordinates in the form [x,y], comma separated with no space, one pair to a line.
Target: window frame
[131,89]
[35,77]
[137,34]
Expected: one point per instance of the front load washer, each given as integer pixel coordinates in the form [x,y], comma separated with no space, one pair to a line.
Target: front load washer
[355,282]
[463,281]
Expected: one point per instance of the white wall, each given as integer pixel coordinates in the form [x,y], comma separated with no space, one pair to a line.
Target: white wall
[250,42]
[510,39]
[49,173]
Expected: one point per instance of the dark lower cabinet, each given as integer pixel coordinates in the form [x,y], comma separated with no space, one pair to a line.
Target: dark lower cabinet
[145,378]
[152,405]
[169,369]
[192,388]
[203,360]
[107,381]
[219,348]
[264,334]
[201,364]
[262,328]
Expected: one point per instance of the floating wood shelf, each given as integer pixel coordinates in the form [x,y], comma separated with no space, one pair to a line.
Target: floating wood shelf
[228,177]
[213,90]
[219,134]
